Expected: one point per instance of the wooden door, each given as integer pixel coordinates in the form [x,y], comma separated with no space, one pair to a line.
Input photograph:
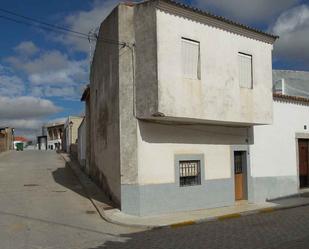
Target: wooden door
[303,163]
[239,170]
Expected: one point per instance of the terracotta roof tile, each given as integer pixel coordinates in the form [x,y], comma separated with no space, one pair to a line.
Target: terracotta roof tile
[289,98]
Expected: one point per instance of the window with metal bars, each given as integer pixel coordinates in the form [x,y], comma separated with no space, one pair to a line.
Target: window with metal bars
[190,173]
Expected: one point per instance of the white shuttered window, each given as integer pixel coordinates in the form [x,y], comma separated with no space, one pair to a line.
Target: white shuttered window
[245,70]
[190,58]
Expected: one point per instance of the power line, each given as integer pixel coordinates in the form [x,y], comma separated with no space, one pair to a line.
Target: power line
[55,28]
[43,22]
[38,26]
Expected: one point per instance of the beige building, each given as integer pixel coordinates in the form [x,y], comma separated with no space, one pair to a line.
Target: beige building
[6,139]
[71,132]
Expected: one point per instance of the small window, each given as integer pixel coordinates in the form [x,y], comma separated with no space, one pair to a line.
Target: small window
[245,70]
[189,173]
[190,58]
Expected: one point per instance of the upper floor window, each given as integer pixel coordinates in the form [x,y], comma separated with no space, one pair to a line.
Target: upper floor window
[190,58]
[245,70]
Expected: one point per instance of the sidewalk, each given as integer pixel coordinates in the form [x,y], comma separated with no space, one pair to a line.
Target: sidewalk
[179,219]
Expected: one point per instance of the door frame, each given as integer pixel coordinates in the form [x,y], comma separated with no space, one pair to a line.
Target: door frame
[299,136]
[246,171]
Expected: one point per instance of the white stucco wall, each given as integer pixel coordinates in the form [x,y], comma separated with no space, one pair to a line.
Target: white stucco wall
[217,96]
[274,152]
[71,133]
[159,143]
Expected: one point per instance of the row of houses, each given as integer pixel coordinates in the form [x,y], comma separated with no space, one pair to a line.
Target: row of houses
[184,112]
[61,136]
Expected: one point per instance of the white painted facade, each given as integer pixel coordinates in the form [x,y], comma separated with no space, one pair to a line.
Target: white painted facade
[147,119]
[275,149]
[217,95]
[159,143]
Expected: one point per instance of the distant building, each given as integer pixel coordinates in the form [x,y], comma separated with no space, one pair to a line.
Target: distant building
[82,143]
[42,142]
[54,134]
[71,133]
[20,139]
[6,139]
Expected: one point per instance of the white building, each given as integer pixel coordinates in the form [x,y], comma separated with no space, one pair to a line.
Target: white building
[54,135]
[173,106]
[279,155]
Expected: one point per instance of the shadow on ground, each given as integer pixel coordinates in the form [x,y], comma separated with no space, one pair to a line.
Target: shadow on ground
[66,177]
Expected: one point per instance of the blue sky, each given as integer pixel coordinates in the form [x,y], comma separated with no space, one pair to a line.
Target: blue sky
[42,74]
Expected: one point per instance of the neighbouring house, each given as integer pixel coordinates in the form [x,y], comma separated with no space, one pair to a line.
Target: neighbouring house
[279,156]
[292,83]
[82,144]
[70,135]
[55,135]
[20,139]
[175,95]
[6,139]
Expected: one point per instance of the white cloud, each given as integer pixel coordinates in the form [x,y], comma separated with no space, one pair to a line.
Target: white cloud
[26,107]
[46,62]
[25,114]
[72,72]
[52,73]
[293,28]
[248,10]
[85,21]
[26,48]
[22,124]
[10,85]
[69,92]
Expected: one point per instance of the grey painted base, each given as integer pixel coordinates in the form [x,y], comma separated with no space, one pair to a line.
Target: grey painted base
[166,198]
[153,199]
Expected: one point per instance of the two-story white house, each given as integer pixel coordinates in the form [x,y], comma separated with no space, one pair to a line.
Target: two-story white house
[174,95]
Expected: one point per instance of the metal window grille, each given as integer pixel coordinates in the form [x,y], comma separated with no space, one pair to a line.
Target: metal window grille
[190,173]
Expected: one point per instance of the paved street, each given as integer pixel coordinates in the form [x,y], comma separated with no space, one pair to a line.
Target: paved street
[42,205]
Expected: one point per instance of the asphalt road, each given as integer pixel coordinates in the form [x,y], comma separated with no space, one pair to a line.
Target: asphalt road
[42,205]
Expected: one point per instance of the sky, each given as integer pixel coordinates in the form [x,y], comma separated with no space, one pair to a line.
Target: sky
[43,73]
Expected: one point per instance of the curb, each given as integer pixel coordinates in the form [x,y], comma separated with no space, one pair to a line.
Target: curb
[237,215]
[179,224]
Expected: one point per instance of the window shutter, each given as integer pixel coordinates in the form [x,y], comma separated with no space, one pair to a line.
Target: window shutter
[245,70]
[190,59]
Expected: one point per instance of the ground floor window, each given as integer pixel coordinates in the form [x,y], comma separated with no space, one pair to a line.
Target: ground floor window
[189,173]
